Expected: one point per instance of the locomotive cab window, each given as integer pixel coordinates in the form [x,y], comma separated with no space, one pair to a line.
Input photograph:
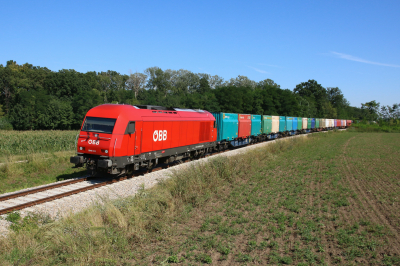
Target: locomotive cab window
[130,129]
[99,124]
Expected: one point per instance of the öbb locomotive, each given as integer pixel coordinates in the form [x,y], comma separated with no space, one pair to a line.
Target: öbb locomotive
[118,139]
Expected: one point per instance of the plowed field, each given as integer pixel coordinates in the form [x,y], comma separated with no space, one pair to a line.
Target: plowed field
[333,200]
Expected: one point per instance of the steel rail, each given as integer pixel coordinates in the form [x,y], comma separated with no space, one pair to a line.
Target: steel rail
[44,188]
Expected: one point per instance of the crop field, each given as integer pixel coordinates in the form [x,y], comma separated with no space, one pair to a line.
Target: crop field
[327,199]
[30,142]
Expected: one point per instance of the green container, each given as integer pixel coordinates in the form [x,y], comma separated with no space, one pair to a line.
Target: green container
[266,124]
[299,123]
[308,123]
[316,122]
[227,126]
[282,123]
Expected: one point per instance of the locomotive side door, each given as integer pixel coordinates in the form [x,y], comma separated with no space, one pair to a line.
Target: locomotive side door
[138,137]
[134,131]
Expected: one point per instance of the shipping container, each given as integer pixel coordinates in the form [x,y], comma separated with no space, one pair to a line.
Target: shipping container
[227,125]
[244,126]
[322,123]
[295,122]
[270,126]
[256,125]
[299,123]
[266,125]
[348,123]
[309,123]
[275,124]
[289,123]
[305,123]
[312,123]
[282,124]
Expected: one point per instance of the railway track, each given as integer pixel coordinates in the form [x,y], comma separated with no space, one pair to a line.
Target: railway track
[28,198]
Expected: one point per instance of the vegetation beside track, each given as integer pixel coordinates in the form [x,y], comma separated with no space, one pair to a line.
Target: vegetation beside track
[15,143]
[390,126]
[32,158]
[37,169]
[325,199]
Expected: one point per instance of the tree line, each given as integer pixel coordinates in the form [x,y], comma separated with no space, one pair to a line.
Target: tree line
[34,97]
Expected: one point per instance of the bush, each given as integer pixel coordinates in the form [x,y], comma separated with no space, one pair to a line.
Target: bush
[5,124]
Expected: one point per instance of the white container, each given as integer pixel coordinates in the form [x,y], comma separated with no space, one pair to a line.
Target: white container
[275,124]
[304,126]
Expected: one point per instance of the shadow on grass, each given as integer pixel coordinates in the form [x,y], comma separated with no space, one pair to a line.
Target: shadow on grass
[81,173]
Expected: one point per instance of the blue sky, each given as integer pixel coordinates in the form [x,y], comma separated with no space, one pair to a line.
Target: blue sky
[353,45]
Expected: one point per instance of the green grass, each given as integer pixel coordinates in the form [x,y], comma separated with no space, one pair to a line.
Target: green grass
[326,199]
[32,158]
[392,126]
[38,169]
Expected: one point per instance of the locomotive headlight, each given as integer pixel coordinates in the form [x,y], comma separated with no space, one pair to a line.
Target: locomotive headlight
[106,151]
[80,148]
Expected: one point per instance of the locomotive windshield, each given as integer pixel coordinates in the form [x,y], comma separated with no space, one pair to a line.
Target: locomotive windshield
[99,124]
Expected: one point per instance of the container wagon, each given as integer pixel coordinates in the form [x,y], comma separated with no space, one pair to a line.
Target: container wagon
[289,126]
[299,124]
[305,125]
[313,124]
[270,126]
[282,126]
[228,130]
[294,128]
[256,132]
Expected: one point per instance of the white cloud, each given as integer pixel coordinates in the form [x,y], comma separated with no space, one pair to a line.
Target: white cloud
[259,70]
[353,58]
[261,64]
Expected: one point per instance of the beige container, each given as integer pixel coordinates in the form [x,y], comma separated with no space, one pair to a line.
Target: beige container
[331,122]
[304,119]
[275,124]
[326,122]
[322,123]
[344,124]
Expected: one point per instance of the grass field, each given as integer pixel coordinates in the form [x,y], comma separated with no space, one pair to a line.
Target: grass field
[326,199]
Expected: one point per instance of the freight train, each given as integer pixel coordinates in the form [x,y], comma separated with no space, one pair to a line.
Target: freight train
[118,139]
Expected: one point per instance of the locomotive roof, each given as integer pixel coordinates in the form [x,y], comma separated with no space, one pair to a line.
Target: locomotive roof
[117,110]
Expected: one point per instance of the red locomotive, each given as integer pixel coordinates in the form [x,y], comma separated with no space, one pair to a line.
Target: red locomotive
[122,138]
